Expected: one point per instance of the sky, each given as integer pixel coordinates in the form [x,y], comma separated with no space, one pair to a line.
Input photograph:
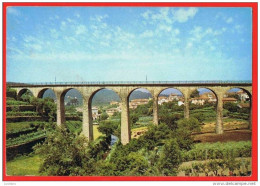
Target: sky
[74,44]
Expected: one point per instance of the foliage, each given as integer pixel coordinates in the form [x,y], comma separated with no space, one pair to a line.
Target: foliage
[133,119]
[22,126]
[22,139]
[15,102]
[64,154]
[195,94]
[103,116]
[185,127]
[70,109]
[45,107]
[231,107]
[109,127]
[218,150]
[170,158]
[25,113]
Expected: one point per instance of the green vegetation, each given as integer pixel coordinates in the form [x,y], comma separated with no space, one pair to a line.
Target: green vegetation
[205,151]
[158,152]
[24,165]
[26,113]
[22,126]
[15,102]
[25,138]
[136,158]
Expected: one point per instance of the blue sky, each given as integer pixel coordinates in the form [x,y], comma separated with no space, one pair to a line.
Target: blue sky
[126,44]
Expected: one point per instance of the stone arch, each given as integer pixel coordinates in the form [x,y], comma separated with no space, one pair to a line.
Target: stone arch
[146,116]
[204,108]
[23,91]
[244,89]
[209,88]
[242,103]
[60,95]
[170,88]
[171,103]
[43,91]
[93,111]
[102,88]
[134,89]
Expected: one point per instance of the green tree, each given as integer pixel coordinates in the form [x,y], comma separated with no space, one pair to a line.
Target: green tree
[108,127]
[195,94]
[184,131]
[170,158]
[133,119]
[65,154]
[103,116]
[231,107]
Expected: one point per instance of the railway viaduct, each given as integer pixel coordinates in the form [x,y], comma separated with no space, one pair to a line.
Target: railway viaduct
[124,89]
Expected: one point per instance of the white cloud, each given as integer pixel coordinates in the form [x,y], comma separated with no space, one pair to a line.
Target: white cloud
[147,33]
[13,11]
[229,20]
[146,14]
[77,15]
[54,33]
[99,18]
[34,47]
[182,15]
[165,27]
[81,29]
[14,50]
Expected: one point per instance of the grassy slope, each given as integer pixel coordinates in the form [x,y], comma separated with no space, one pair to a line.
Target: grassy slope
[29,165]
[24,166]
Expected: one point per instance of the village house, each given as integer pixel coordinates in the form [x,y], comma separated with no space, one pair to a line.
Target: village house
[181,102]
[199,100]
[114,103]
[209,96]
[111,111]
[95,114]
[173,97]
[231,100]
[135,102]
[162,100]
[243,96]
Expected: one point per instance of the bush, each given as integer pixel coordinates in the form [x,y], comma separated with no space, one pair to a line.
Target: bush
[170,158]
[65,154]
[218,150]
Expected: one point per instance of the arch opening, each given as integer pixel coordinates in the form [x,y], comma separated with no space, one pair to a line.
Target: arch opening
[25,95]
[171,107]
[105,114]
[202,105]
[47,93]
[71,109]
[140,104]
[237,109]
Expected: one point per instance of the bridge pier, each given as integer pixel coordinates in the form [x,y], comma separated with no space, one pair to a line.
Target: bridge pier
[60,108]
[87,120]
[186,96]
[155,110]
[186,107]
[125,123]
[219,123]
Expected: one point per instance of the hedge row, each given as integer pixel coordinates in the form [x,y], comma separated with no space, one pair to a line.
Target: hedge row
[204,151]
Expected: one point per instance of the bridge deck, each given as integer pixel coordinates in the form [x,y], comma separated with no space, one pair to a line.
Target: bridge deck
[133,83]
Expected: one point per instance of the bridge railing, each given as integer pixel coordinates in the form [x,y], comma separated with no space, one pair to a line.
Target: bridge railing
[139,82]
